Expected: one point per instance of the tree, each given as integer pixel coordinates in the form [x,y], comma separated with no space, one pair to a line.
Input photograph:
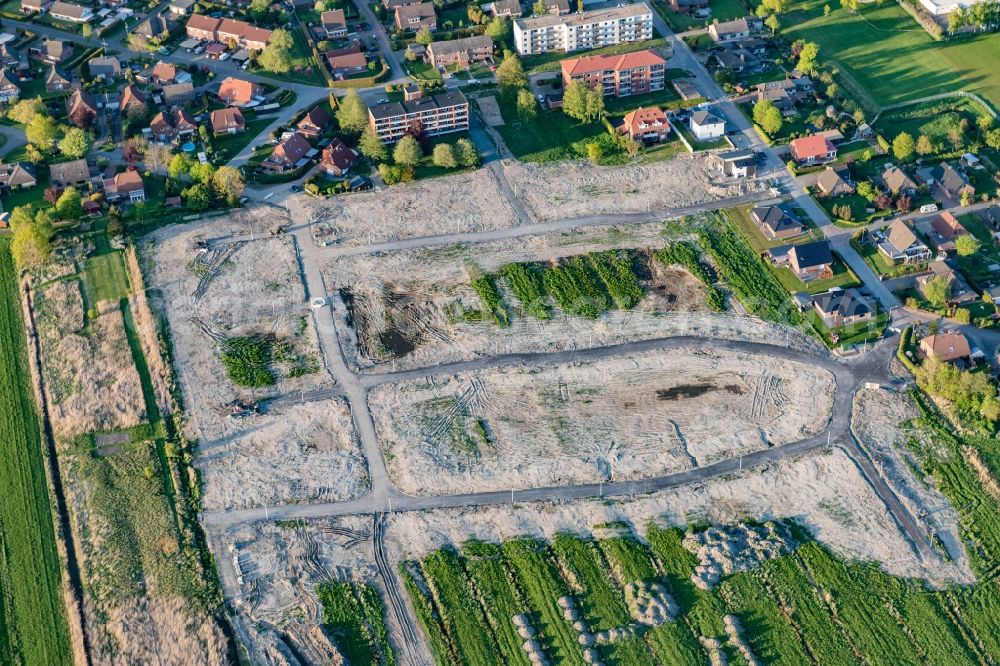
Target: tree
[158,157]
[41,131]
[201,172]
[352,113]
[31,244]
[498,29]
[985,122]
[466,153]
[228,184]
[25,110]
[475,13]
[179,166]
[903,146]
[539,8]
[69,205]
[826,10]
[197,197]
[407,152]
[259,9]
[807,58]
[424,36]
[938,291]
[76,143]
[773,23]
[371,146]
[904,204]
[850,5]
[444,156]
[767,115]
[993,139]
[867,190]
[133,149]
[510,74]
[773,6]
[277,55]
[526,105]
[966,245]
[924,145]
[594,152]
[582,102]
[33,154]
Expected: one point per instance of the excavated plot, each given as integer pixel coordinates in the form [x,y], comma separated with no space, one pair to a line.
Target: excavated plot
[635,417]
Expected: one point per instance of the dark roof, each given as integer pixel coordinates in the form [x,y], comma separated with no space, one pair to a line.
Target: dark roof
[845,302]
[950,179]
[443,100]
[775,218]
[812,254]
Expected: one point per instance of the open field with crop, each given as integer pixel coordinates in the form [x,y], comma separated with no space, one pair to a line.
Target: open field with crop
[638,416]
[32,616]
[355,616]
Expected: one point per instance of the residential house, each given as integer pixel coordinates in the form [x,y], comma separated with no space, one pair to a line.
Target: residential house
[155,27]
[506,8]
[557,7]
[161,129]
[953,182]
[992,216]
[164,74]
[432,115]
[35,6]
[949,347]
[9,92]
[591,29]
[348,60]
[181,7]
[776,222]
[896,181]
[125,185]
[18,176]
[13,58]
[184,123]
[635,73]
[334,23]
[901,245]
[338,159]
[969,161]
[106,66]
[81,108]
[835,181]
[416,17]
[314,123]
[738,163]
[843,307]
[238,92]
[70,12]
[958,288]
[74,172]
[687,6]
[944,230]
[734,31]
[646,124]
[461,52]
[704,125]
[56,82]
[178,93]
[813,149]
[227,31]
[51,51]
[391,5]
[227,121]
[287,155]
[811,261]
[132,98]
[214,51]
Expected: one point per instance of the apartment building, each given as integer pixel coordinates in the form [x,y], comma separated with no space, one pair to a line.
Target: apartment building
[437,114]
[584,30]
[634,73]
[225,31]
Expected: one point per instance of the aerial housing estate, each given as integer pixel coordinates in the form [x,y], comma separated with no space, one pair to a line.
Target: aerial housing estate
[584,30]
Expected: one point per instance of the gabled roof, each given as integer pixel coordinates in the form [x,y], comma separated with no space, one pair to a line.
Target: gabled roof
[830,180]
[896,180]
[947,346]
[458,45]
[223,119]
[17,174]
[340,155]
[238,90]
[161,125]
[81,108]
[131,96]
[68,9]
[54,77]
[601,63]
[70,172]
[815,145]
[317,117]
[5,82]
[843,302]
[732,27]
[128,181]
[645,117]
[333,19]
[292,149]
[183,120]
[704,118]
[950,178]
[812,254]
[775,218]
[55,49]
[420,10]
[164,71]
[901,236]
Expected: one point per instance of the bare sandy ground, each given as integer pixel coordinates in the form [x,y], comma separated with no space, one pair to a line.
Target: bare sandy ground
[308,453]
[566,190]
[635,417]
[471,201]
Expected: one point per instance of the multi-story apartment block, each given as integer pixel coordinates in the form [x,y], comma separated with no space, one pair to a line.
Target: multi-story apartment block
[584,30]
[439,114]
[618,75]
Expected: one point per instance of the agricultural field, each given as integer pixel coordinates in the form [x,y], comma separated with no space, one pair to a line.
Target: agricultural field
[355,617]
[33,628]
[887,58]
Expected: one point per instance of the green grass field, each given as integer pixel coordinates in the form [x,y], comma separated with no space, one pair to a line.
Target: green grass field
[891,57]
[32,617]
[104,277]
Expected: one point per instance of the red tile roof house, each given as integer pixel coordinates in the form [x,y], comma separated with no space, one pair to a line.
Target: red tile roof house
[237,92]
[163,74]
[314,123]
[945,229]
[634,73]
[334,23]
[166,130]
[814,149]
[338,159]
[648,124]
[286,154]
[416,16]
[347,60]
[228,121]
[125,185]
[241,33]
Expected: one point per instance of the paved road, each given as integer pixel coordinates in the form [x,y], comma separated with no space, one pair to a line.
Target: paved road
[15,139]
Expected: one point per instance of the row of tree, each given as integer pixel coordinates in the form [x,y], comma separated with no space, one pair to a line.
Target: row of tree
[44,134]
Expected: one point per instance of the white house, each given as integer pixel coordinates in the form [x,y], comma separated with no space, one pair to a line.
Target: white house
[945,7]
[705,126]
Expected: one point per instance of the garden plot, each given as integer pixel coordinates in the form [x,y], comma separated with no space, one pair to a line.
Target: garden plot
[404,309]
[238,288]
[452,204]
[641,416]
[90,377]
[309,454]
[579,189]
[822,490]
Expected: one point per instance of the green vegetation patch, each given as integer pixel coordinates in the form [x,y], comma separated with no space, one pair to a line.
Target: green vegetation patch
[104,277]
[354,616]
[248,361]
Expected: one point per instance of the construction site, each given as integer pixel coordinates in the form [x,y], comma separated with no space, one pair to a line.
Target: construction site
[629,417]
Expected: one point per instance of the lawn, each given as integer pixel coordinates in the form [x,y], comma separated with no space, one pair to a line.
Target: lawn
[976,267]
[666,98]
[842,277]
[33,195]
[939,120]
[740,217]
[549,62]
[882,266]
[228,146]
[883,51]
[723,10]
[855,334]
[859,207]
[422,71]
[104,277]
